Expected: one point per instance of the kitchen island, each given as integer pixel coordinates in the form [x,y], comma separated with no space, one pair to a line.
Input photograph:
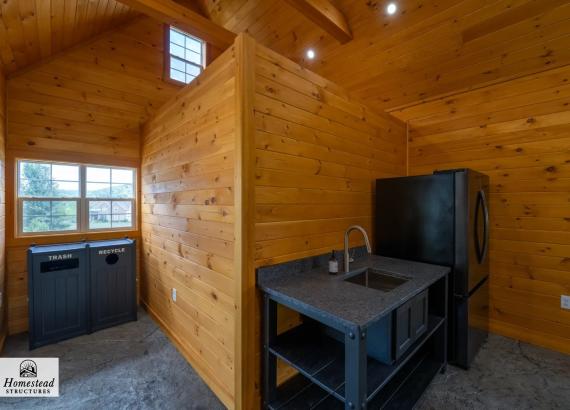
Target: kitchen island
[370,338]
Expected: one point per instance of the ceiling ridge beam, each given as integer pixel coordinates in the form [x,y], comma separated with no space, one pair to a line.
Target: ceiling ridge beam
[325,15]
[191,22]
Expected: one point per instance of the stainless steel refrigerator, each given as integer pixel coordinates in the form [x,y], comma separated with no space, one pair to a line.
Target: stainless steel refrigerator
[443,219]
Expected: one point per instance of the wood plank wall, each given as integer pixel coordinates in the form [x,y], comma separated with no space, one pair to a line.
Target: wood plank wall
[85,105]
[188,223]
[518,133]
[3,298]
[317,155]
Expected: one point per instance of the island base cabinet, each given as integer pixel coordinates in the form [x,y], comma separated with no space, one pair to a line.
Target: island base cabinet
[340,364]
[393,335]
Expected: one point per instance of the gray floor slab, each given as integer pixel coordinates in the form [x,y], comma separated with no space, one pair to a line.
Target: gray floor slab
[506,374]
[134,366]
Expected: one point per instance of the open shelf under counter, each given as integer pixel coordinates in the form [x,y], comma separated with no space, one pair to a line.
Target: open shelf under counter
[320,358]
[299,393]
[381,351]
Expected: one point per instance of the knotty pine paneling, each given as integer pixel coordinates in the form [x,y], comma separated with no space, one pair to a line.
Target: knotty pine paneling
[3,297]
[33,30]
[90,101]
[188,223]
[85,105]
[425,50]
[518,133]
[318,153]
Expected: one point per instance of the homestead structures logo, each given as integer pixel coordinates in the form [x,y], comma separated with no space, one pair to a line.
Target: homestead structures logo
[22,377]
[28,368]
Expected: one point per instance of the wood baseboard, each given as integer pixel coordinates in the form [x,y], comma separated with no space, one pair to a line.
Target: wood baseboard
[222,395]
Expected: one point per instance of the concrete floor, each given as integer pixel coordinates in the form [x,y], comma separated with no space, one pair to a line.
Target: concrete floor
[506,374]
[135,366]
[132,366]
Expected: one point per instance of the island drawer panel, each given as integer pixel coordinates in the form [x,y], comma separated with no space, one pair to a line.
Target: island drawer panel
[410,322]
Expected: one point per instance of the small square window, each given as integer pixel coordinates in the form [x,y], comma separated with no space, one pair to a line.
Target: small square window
[185,58]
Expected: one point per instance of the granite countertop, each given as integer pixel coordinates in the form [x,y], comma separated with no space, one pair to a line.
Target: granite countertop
[335,300]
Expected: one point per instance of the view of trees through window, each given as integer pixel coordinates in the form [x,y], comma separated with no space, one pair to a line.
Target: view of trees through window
[51,197]
[40,180]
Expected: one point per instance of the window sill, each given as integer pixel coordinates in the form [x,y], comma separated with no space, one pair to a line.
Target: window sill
[180,84]
[41,239]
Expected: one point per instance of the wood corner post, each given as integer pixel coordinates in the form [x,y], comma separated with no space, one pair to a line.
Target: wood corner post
[244,195]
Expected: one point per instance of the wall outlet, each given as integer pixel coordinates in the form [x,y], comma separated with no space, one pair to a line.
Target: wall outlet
[565,302]
[174,294]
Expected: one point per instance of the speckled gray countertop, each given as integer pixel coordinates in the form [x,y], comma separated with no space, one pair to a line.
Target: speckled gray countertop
[333,299]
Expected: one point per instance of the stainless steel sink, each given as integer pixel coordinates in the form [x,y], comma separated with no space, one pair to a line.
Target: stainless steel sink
[376,279]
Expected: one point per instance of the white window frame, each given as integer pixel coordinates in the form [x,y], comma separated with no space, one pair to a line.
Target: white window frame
[168,55]
[82,201]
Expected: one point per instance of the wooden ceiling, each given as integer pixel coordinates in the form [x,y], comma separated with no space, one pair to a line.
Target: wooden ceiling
[31,30]
[428,48]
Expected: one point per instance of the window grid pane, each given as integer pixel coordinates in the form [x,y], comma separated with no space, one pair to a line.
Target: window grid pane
[110,214]
[98,174]
[47,180]
[50,197]
[186,56]
[49,216]
[110,183]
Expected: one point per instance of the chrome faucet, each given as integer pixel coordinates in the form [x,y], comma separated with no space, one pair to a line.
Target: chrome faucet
[347,258]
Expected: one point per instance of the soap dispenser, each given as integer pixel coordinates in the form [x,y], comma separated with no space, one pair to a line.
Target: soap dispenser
[333,264]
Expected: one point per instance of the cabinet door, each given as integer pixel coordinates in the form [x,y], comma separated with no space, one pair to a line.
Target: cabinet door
[113,287]
[58,299]
[419,315]
[404,335]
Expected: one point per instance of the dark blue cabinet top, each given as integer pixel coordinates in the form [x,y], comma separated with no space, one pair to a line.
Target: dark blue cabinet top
[64,247]
[112,242]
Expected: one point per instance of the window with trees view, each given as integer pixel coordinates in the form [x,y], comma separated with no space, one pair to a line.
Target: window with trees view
[61,197]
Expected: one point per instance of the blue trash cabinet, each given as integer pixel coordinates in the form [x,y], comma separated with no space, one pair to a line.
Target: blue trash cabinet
[112,282]
[58,292]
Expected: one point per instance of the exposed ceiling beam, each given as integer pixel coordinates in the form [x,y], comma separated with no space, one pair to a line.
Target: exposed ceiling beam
[185,19]
[325,15]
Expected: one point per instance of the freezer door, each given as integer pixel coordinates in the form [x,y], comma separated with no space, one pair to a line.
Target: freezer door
[471,328]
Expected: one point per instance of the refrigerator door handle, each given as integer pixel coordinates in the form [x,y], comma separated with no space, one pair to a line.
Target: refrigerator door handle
[486,226]
[481,249]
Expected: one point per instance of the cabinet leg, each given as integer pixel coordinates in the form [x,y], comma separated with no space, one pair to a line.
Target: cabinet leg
[355,369]
[269,360]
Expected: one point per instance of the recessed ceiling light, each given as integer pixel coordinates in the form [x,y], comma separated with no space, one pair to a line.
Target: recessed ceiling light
[311,54]
[391,8]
